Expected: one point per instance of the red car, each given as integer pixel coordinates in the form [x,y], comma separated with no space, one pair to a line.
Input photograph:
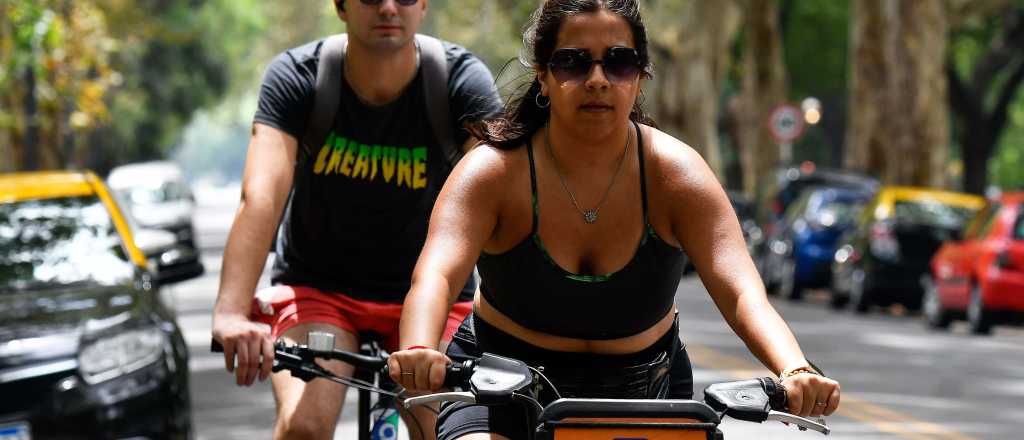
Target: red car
[981,276]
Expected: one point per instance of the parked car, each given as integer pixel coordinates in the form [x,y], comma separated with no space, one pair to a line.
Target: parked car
[882,259]
[780,188]
[800,253]
[87,349]
[157,196]
[981,277]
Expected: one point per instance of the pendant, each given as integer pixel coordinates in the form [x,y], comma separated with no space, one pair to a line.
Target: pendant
[590,216]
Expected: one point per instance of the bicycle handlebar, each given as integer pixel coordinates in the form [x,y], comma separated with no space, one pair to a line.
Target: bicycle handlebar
[298,360]
[494,379]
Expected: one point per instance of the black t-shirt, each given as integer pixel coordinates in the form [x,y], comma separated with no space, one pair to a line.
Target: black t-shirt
[358,214]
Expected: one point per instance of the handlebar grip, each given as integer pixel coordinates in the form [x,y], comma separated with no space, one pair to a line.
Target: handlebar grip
[777,397]
[457,374]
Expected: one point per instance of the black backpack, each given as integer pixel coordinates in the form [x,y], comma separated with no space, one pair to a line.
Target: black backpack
[327,94]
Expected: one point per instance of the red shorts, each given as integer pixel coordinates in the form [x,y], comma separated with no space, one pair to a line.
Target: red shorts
[284,307]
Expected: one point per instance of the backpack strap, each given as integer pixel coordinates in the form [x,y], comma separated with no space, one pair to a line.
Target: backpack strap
[327,93]
[434,63]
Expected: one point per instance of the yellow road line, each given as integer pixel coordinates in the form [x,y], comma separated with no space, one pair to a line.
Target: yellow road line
[884,419]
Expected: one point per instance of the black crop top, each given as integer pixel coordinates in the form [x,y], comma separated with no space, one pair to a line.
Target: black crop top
[529,287]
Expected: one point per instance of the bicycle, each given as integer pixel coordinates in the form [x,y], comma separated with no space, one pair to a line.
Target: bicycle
[493,379]
[369,377]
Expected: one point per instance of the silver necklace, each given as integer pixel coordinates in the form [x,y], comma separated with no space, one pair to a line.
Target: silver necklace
[589,216]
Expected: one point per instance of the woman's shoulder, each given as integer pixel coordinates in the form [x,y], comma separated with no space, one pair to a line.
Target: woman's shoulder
[488,163]
[673,160]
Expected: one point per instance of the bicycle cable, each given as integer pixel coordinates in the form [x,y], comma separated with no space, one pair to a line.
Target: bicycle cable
[360,385]
[526,398]
[542,376]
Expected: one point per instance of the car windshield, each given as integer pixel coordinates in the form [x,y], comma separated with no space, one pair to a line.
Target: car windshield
[931,213]
[59,242]
[839,212]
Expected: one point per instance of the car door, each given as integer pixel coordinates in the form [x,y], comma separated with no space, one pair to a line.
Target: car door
[1013,258]
[972,250]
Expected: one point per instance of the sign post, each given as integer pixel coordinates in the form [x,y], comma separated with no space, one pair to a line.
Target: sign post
[786,124]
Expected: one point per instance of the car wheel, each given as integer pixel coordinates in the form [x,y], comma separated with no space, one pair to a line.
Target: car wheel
[838,301]
[979,320]
[935,315]
[788,285]
[770,275]
[859,294]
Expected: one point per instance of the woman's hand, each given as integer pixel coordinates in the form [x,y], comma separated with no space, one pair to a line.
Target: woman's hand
[419,369]
[811,395]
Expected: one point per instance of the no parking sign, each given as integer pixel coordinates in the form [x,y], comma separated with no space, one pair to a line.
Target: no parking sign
[786,123]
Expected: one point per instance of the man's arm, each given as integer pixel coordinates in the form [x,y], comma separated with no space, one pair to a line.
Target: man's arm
[269,169]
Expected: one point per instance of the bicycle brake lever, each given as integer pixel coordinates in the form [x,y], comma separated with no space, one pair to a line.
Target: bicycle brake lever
[800,422]
[460,396]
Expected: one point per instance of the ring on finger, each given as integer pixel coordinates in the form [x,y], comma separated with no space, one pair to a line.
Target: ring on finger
[408,373]
[819,403]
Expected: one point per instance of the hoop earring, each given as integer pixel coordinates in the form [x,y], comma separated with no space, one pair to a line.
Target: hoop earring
[536,100]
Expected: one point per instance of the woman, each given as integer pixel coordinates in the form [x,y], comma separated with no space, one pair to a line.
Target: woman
[579,214]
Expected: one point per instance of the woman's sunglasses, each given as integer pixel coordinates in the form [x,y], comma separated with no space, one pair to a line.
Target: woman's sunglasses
[620,64]
[377,2]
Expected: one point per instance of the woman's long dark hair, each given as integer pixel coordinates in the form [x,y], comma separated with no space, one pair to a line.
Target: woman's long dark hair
[522,116]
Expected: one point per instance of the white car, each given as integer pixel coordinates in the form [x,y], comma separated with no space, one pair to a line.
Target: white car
[156,198]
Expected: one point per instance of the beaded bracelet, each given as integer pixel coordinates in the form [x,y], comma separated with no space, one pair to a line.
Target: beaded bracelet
[793,372]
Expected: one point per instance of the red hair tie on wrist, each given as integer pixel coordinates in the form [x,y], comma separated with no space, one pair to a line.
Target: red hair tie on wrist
[417,347]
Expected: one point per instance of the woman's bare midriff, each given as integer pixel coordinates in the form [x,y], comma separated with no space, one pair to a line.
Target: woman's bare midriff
[626,345]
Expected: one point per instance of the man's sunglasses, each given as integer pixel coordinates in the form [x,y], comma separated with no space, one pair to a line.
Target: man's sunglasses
[377,2]
[620,64]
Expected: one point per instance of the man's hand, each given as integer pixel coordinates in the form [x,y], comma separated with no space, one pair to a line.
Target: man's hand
[250,341]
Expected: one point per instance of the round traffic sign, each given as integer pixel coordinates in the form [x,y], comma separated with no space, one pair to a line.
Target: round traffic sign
[786,123]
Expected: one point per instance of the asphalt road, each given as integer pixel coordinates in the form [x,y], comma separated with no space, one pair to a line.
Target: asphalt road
[899,379]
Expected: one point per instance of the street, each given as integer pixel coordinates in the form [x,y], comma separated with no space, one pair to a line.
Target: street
[899,379]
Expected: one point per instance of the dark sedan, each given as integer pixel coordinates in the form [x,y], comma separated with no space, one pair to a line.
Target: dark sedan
[87,350]
[883,259]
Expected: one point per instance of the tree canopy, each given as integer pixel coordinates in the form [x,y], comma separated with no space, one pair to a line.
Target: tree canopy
[95,83]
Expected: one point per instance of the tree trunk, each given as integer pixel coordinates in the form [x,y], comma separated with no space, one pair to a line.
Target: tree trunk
[899,125]
[764,87]
[981,105]
[692,49]
[976,149]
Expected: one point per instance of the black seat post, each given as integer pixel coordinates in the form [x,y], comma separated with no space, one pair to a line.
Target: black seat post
[368,346]
[364,403]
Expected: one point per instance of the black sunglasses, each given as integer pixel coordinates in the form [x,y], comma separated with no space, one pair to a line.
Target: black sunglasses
[620,64]
[401,2]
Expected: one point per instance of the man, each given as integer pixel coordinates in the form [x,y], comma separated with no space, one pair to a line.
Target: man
[357,207]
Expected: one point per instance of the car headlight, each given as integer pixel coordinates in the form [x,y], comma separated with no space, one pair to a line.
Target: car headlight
[120,354]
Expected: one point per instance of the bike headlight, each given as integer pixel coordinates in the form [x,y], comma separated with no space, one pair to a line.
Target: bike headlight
[120,354]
